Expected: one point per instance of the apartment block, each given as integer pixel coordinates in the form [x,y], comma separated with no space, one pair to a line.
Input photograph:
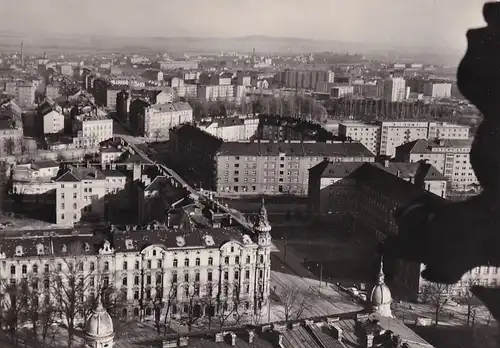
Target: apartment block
[216,92]
[366,134]
[395,89]
[305,79]
[91,128]
[450,157]
[155,120]
[81,191]
[395,133]
[437,90]
[25,95]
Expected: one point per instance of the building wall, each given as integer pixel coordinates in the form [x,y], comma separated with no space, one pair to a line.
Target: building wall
[26,96]
[53,122]
[269,174]
[93,131]
[157,122]
[216,92]
[366,134]
[111,94]
[155,267]
[395,89]
[74,199]
[437,90]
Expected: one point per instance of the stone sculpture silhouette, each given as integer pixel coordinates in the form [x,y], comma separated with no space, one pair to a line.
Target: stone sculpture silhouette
[453,238]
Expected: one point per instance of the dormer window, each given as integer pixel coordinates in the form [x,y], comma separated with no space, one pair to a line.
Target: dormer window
[86,247]
[40,250]
[64,248]
[19,251]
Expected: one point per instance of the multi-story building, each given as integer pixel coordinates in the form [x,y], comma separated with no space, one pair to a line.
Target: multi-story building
[305,79]
[323,196]
[91,128]
[111,96]
[155,120]
[367,134]
[395,133]
[231,128]
[216,92]
[449,156]
[207,270]
[52,91]
[437,90]
[11,128]
[254,167]
[341,91]
[395,89]
[81,191]
[25,95]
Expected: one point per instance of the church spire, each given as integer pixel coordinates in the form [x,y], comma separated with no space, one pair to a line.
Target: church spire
[262,224]
[381,276]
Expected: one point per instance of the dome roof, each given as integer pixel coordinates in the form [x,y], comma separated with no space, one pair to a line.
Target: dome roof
[99,324]
[380,294]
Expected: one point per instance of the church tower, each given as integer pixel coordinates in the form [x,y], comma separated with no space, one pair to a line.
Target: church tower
[99,332]
[381,298]
[262,229]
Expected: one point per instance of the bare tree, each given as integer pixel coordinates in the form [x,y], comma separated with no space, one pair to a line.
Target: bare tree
[69,286]
[10,146]
[194,306]
[13,305]
[294,303]
[209,303]
[437,295]
[239,312]
[470,300]
[157,133]
[225,311]
[46,318]
[30,311]
[257,316]
[23,145]
[168,304]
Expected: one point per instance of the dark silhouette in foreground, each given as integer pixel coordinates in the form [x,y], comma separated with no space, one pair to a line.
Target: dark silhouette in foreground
[453,238]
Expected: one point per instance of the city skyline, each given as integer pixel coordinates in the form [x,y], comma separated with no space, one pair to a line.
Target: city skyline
[195,18]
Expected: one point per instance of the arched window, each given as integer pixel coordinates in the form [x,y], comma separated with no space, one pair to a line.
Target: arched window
[174,277]
[106,266]
[210,261]
[237,260]
[35,269]
[226,260]
[175,262]
[186,262]
[197,261]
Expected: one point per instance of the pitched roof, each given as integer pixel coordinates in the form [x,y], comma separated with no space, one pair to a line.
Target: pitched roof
[421,146]
[326,149]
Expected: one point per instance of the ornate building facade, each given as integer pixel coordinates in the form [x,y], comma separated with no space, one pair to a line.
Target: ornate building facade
[197,265]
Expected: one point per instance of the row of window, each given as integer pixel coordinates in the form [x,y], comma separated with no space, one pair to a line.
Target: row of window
[149,264]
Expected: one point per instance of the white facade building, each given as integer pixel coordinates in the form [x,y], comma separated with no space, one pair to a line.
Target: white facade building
[232,128]
[366,134]
[53,122]
[395,89]
[437,90]
[159,118]
[92,128]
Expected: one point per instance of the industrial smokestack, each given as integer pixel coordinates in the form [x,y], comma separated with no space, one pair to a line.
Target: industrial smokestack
[22,53]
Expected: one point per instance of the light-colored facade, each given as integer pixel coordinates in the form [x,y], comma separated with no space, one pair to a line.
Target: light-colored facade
[341,91]
[186,91]
[231,129]
[449,156]
[53,122]
[216,92]
[396,133]
[25,95]
[82,190]
[92,128]
[437,90]
[205,270]
[305,79]
[395,89]
[277,168]
[366,134]
[159,118]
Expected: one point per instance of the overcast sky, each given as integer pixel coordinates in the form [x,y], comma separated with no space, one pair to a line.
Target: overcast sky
[408,22]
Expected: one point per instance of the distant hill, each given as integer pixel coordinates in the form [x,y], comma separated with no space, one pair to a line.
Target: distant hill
[262,44]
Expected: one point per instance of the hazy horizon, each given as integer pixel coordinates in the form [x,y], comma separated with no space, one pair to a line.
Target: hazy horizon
[428,23]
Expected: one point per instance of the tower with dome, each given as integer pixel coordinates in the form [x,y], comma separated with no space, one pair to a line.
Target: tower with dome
[99,331]
[380,297]
[262,229]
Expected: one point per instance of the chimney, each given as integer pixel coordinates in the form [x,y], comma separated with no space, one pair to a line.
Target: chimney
[251,334]
[232,336]
[278,338]
[412,179]
[398,173]
[219,337]
[337,333]
[386,163]
[369,340]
